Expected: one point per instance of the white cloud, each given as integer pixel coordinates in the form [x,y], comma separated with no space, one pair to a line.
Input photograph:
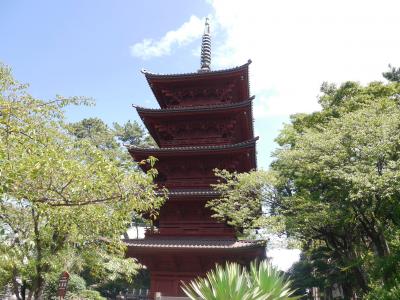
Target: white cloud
[295,45]
[185,34]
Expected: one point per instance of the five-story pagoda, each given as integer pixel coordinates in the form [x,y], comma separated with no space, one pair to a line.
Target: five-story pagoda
[205,122]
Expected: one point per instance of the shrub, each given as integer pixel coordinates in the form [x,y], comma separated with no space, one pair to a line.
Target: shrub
[76,284]
[384,293]
[262,282]
[85,295]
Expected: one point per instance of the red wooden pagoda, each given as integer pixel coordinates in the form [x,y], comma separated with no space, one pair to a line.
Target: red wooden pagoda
[205,122]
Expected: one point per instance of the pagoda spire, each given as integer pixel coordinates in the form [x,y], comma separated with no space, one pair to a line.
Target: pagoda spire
[206,49]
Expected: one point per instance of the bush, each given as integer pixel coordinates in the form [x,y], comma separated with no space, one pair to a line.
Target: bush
[92,295]
[76,284]
[84,295]
[112,288]
[384,293]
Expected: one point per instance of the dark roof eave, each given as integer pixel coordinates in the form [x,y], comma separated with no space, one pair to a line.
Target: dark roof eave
[150,75]
[193,244]
[217,107]
[244,144]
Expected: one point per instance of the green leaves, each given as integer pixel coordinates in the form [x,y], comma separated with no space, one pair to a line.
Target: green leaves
[341,168]
[221,283]
[67,193]
[393,74]
[242,196]
[234,282]
[334,183]
[270,281]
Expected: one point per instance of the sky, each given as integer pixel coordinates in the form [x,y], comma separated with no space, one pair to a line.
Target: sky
[96,48]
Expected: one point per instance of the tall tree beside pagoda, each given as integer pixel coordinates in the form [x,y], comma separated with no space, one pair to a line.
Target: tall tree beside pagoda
[63,202]
[334,188]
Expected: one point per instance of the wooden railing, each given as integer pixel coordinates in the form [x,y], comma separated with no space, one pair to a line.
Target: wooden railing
[143,294]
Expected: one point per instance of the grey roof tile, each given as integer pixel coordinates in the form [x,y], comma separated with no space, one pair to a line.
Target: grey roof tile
[202,243]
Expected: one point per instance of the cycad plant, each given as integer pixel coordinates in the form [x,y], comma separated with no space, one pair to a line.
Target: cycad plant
[229,282]
[233,282]
[272,284]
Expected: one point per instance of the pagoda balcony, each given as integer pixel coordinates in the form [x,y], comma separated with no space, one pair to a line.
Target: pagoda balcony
[193,231]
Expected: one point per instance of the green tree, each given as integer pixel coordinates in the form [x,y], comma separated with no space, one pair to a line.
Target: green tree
[334,182]
[233,206]
[63,202]
[132,133]
[393,74]
[112,140]
[96,131]
[320,267]
[343,161]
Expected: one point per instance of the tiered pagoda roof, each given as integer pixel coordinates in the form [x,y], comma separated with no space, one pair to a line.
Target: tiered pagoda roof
[205,88]
[198,149]
[193,166]
[204,122]
[229,123]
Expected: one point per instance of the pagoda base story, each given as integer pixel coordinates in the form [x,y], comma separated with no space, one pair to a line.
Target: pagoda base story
[173,261]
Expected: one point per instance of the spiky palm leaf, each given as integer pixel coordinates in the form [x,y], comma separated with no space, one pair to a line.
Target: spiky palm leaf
[230,282]
[233,282]
[270,281]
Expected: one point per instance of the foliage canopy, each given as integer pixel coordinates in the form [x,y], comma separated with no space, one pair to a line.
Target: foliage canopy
[333,185]
[62,198]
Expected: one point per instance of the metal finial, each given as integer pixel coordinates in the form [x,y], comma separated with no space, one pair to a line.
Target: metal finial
[206,49]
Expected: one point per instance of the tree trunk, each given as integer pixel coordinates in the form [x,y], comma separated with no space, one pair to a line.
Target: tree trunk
[361,279]
[344,248]
[23,290]
[38,285]
[39,291]
[375,233]
[347,290]
[358,272]
[381,245]
[15,285]
[383,251]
